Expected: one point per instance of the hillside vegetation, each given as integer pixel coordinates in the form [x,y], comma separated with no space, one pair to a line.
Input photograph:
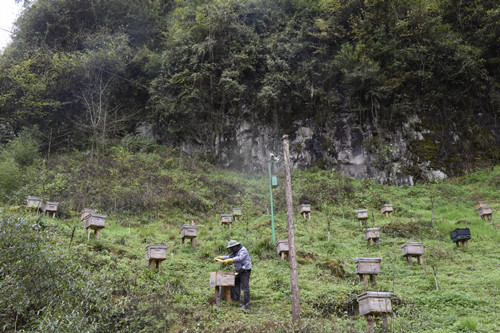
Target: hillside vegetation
[53,280]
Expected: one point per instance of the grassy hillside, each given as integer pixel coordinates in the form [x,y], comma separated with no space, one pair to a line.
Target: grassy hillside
[52,279]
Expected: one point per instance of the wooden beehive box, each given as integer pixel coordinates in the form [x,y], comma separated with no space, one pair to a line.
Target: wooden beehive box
[51,206]
[305,208]
[480,204]
[412,249]
[372,302]
[189,230]
[86,211]
[94,221]
[282,245]
[460,235]
[224,279]
[236,211]
[386,208]
[156,252]
[367,265]
[34,202]
[371,233]
[485,210]
[362,213]
[226,218]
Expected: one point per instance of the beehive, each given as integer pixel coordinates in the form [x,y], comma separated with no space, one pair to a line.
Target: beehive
[156,252]
[372,233]
[480,204]
[189,231]
[460,235]
[362,214]
[282,247]
[94,221]
[50,207]
[34,202]
[412,249]
[221,279]
[386,209]
[226,218]
[372,302]
[236,211]
[305,208]
[367,265]
[485,210]
[86,211]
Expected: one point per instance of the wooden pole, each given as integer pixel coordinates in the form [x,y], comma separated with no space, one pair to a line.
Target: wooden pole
[292,256]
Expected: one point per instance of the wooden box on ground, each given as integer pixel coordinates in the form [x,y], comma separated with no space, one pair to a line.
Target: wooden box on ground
[485,210]
[156,252]
[362,214]
[94,221]
[34,202]
[282,247]
[372,302]
[412,249]
[480,204]
[387,209]
[367,265]
[460,235]
[189,231]
[51,207]
[86,211]
[221,279]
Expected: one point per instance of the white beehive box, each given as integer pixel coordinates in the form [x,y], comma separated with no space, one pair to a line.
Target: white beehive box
[224,279]
[485,210]
[371,233]
[372,302]
[367,265]
[156,252]
[226,218]
[387,208]
[189,230]
[305,208]
[34,202]
[282,246]
[236,211]
[51,206]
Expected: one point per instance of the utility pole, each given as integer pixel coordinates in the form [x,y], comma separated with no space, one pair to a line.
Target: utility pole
[292,255]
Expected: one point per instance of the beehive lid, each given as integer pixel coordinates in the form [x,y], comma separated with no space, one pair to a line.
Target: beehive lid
[367,260]
[411,243]
[35,198]
[226,215]
[374,294]
[282,241]
[370,229]
[52,203]
[362,211]
[387,205]
[95,215]
[158,246]
[481,202]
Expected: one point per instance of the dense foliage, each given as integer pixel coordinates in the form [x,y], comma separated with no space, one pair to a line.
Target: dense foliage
[86,70]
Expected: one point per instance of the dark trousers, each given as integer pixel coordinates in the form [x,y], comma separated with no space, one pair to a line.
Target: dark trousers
[241,282]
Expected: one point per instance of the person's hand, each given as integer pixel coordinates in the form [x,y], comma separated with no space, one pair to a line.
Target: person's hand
[218,258]
[228,262]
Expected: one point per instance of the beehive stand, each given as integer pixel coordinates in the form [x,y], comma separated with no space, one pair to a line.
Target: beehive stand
[51,207]
[485,212]
[236,214]
[189,232]
[222,281]
[226,219]
[305,211]
[372,234]
[155,254]
[374,304]
[412,249]
[94,222]
[367,267]
[387,210]
[362,216]
[35,203]
[282,248]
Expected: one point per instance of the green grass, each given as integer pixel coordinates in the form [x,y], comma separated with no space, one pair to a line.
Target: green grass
[170,190]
